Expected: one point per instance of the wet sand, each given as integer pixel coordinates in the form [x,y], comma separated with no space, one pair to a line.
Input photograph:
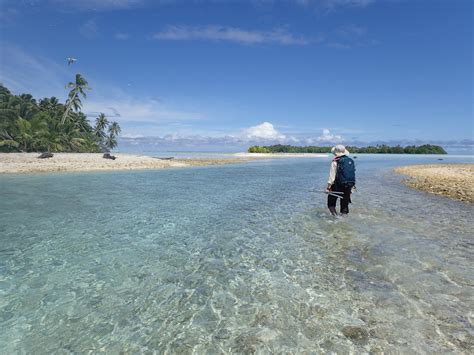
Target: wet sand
[72,162]
[453,180]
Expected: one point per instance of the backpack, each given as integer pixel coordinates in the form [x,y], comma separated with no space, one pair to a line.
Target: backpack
[345,174]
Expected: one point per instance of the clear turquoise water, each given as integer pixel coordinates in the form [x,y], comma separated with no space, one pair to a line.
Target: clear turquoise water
[232,259]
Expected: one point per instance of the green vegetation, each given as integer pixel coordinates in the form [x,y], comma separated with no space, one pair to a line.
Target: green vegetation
[379,149]
[27,125]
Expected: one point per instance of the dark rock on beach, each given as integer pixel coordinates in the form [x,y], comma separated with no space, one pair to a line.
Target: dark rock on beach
[45,155]
[108,156]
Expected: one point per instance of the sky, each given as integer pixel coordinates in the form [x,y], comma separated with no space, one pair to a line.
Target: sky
[221,75]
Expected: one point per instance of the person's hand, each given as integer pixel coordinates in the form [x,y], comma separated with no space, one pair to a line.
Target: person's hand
[328,188]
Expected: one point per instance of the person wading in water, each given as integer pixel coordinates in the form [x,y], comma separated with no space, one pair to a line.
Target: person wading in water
[341,180]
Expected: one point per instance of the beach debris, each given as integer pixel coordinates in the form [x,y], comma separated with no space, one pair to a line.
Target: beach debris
[108,156]
[45,155]
[71,60]
[165,158]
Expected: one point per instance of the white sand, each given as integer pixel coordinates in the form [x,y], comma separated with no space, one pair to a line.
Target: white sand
[452,180]
[68,162]
[29,162]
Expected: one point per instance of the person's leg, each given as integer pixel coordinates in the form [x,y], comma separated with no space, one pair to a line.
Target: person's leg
[346,200]
[332,204]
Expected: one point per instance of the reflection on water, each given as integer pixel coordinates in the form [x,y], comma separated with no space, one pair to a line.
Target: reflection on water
[232,259]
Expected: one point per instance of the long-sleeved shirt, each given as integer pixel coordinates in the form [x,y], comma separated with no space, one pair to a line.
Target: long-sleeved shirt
[332,172]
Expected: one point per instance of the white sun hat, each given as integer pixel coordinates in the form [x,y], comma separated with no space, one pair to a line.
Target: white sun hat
[339,150]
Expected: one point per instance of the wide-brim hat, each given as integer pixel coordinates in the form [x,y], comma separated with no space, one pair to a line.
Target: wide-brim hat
[339,153]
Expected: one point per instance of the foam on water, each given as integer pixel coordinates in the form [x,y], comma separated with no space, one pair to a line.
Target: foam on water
[232,259]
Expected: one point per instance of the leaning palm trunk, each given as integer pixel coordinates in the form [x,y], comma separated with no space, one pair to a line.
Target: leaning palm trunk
[68,108]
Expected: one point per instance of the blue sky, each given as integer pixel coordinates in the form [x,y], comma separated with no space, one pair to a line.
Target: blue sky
[220,74]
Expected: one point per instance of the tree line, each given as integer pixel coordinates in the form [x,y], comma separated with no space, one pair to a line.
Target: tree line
[30,125]
[378,149]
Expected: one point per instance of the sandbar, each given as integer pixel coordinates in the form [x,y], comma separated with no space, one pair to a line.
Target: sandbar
[453,180]
[18,163]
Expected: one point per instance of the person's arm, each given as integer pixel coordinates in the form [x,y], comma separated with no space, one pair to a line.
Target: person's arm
[332,175]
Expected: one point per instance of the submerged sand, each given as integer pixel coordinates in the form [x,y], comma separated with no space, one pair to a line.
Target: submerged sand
[71,162]
[452,180]
[281,155]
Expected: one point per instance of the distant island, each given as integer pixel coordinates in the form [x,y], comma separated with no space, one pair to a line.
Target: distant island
[378,149]
[46,125]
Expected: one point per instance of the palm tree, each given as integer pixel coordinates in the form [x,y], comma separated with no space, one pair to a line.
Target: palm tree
[101,123]
[16,113]
[78,88]
[30,135]
[4,93]
[114,129]
[82,123]
[111,141]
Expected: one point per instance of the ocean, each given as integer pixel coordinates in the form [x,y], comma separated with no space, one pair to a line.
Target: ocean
[237,258]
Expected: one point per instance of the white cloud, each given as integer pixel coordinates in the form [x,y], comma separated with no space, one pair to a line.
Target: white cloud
[264,131]
[130,110]
[231,34]
[262,134]
[328,137]
[23,72]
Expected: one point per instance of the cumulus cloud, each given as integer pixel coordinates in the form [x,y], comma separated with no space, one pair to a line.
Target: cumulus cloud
[262,134]
[264,131]
[328,137]
[230,34]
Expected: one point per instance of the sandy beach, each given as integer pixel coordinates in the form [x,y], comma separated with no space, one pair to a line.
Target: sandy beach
[17,163]
[452,180]
[70,162]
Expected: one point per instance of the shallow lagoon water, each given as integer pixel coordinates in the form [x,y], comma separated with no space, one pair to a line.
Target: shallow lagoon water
[233,259]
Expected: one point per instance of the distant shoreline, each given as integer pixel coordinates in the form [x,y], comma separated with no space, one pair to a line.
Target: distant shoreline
[452,180]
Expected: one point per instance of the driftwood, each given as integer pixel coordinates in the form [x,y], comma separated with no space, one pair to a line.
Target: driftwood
[45,155]
[108,156]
